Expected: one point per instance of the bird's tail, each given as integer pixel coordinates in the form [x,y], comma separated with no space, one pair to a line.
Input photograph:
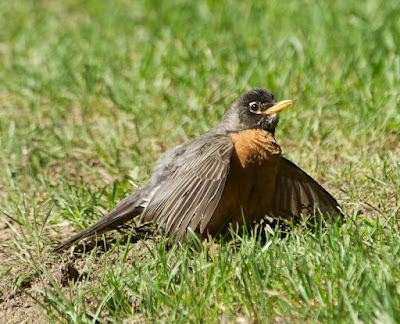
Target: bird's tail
[125,211]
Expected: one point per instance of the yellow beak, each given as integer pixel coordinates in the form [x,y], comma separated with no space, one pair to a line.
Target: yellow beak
[279,106]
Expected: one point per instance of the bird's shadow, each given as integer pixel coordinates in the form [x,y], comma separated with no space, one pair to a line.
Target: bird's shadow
[262,232]
[130,234]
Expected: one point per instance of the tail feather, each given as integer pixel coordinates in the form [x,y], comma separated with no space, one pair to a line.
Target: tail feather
[125,211]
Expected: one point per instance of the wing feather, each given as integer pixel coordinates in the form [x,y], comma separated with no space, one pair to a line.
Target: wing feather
[189,195]
[188,204]
[297,194]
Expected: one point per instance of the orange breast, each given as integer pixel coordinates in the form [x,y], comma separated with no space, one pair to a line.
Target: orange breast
[250,184]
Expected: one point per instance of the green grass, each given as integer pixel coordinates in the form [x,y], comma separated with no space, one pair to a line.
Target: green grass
[91,93]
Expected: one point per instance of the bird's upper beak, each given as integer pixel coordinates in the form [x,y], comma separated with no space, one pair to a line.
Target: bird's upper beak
[279,106]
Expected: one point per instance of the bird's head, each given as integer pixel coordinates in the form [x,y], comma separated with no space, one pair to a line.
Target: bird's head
[255,109]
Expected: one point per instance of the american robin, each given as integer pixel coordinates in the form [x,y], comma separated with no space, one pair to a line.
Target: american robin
[234,172]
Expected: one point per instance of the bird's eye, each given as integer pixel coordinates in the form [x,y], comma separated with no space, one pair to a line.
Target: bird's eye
[254,107]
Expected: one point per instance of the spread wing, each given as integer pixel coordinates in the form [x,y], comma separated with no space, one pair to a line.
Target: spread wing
[189,195]
[297,194]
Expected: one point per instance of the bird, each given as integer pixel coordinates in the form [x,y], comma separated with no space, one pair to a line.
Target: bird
[233,174]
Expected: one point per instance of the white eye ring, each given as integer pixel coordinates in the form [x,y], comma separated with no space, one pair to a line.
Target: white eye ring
[254,107]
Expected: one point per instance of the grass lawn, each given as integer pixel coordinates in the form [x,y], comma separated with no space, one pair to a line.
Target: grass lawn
[91,93]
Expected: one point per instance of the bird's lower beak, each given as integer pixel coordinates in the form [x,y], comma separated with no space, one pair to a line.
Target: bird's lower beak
[279,106]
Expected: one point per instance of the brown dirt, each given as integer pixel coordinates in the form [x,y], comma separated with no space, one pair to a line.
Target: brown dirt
[14,307]
[17,304]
